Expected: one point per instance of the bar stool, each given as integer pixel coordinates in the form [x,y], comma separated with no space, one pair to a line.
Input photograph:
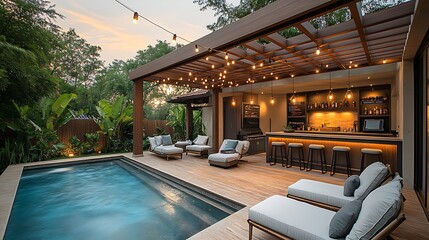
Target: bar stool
[316,148]
[274,147]
[369,151]
[296,147]
[340,149]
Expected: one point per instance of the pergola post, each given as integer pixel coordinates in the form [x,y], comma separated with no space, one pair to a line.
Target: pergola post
[215,119]
[189,120]
[138,119]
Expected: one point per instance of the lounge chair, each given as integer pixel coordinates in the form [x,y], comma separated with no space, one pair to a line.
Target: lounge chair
[199,146]
[163,146]
[230,152]
[333,196]
[373,218]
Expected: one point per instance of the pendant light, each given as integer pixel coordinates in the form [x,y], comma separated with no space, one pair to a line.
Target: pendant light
[234,101]
[330,94]
[251,95]
[349,93]
[293,98]
[272,98]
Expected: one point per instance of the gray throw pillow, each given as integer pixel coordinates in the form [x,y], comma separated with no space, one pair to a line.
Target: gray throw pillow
[166,140]
[344,219]
[231,144]
[351,184]
[228,151]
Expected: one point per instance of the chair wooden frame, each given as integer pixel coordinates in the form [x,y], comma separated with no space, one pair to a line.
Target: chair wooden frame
[178,155]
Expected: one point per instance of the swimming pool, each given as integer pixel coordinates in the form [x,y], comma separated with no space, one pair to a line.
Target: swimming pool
[117,199]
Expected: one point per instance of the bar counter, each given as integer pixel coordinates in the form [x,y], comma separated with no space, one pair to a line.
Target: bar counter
[389,144]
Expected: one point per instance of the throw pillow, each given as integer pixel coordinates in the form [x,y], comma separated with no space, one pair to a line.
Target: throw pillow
[158,140]
[166,140]
[227,151]
[344,219]
[351,184]
[152,143]
[201,140]
[379,209]
[370,178]
[231,144]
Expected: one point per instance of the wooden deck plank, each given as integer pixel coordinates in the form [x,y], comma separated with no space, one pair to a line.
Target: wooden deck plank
[254,181]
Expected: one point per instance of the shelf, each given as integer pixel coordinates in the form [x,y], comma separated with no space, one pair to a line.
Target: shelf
[374,115]
[375,102]
[296,117]
[353,109]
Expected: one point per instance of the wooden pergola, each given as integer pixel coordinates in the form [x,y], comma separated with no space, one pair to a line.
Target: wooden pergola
[364,40]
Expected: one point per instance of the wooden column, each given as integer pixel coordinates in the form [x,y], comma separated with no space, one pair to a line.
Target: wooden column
[215,119]
[138,119]
[189,120]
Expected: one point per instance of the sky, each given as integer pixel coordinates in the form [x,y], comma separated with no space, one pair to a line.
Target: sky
[109,25]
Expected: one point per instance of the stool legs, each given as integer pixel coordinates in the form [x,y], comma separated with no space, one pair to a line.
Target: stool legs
[274,152]
[349,170]
[362,161]
[322,156]
[334,163]
[273,156]
[300,157]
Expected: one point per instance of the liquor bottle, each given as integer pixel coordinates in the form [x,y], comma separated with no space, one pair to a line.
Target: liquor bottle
[354,104]
[377,111]
[326,104]
[365,111]
[315,105]
[322,105]
[370,111]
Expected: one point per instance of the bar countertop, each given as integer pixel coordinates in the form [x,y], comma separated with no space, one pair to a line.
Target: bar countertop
[370,137]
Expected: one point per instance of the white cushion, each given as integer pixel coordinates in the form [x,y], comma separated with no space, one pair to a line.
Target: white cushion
[152,142]
[371,151]
[341,149]
[316,146]
[170,149]
[322,192]
[370,178]
[198,148]
[295,145]
[378,209]
[201,140]
[223,157]
[158,140]
[242,147]
[294,219]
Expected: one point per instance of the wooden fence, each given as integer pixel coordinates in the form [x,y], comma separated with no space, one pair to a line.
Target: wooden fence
[78,128]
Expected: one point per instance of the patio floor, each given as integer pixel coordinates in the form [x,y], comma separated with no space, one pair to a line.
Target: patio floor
[249,183]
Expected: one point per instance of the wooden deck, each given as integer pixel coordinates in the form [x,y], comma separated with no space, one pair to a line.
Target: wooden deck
[254,181]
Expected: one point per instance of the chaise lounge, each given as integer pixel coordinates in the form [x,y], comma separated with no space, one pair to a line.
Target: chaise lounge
[373,218]
[335,196]
[163,146]
[199,146]
[230,152]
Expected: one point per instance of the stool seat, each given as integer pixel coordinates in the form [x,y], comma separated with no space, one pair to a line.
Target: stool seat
[341,149]
[371,151]
[316,146]
[278,143]
[296,145]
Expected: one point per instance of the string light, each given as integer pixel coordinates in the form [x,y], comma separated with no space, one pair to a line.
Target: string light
[384,61]
[226,56]
[174,41]
[318,51]
[197,49]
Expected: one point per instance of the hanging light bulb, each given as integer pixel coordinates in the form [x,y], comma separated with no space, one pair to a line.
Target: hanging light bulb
[318,51]
[349,93]
[330,94]
[272,100]
[174,39]
[196,48]
[251,100]
[272,97]
[233,101]
[135,18]
[226,56]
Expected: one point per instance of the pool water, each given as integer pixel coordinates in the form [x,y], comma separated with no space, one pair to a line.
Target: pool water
[104,200]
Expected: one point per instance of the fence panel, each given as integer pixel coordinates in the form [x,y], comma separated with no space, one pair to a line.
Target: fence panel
[151,125]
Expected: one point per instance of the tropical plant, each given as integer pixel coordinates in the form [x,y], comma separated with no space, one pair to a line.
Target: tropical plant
[198,126]
[47,145]
[112,117]
[177,120]
[53,111]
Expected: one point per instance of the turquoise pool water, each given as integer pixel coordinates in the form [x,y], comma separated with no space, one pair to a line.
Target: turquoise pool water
[105,200]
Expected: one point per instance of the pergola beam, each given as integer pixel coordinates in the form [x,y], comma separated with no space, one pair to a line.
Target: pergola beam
[356,11]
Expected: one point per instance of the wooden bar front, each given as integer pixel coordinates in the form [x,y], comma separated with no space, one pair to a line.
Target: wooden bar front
[391,147]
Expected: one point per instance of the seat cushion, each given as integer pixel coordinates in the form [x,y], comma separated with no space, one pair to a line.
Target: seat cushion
[152,142]
[316,146]
[378,209]
[322,192]
[295,145]
[371,151]
[168,149]
[294,219]
[350,185]
[198,148]
[371,178]
[221,157]
[158,140]
[278,143]
[344,219]
[341,149]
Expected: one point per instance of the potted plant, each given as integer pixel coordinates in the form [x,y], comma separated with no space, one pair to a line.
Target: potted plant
[288,128]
